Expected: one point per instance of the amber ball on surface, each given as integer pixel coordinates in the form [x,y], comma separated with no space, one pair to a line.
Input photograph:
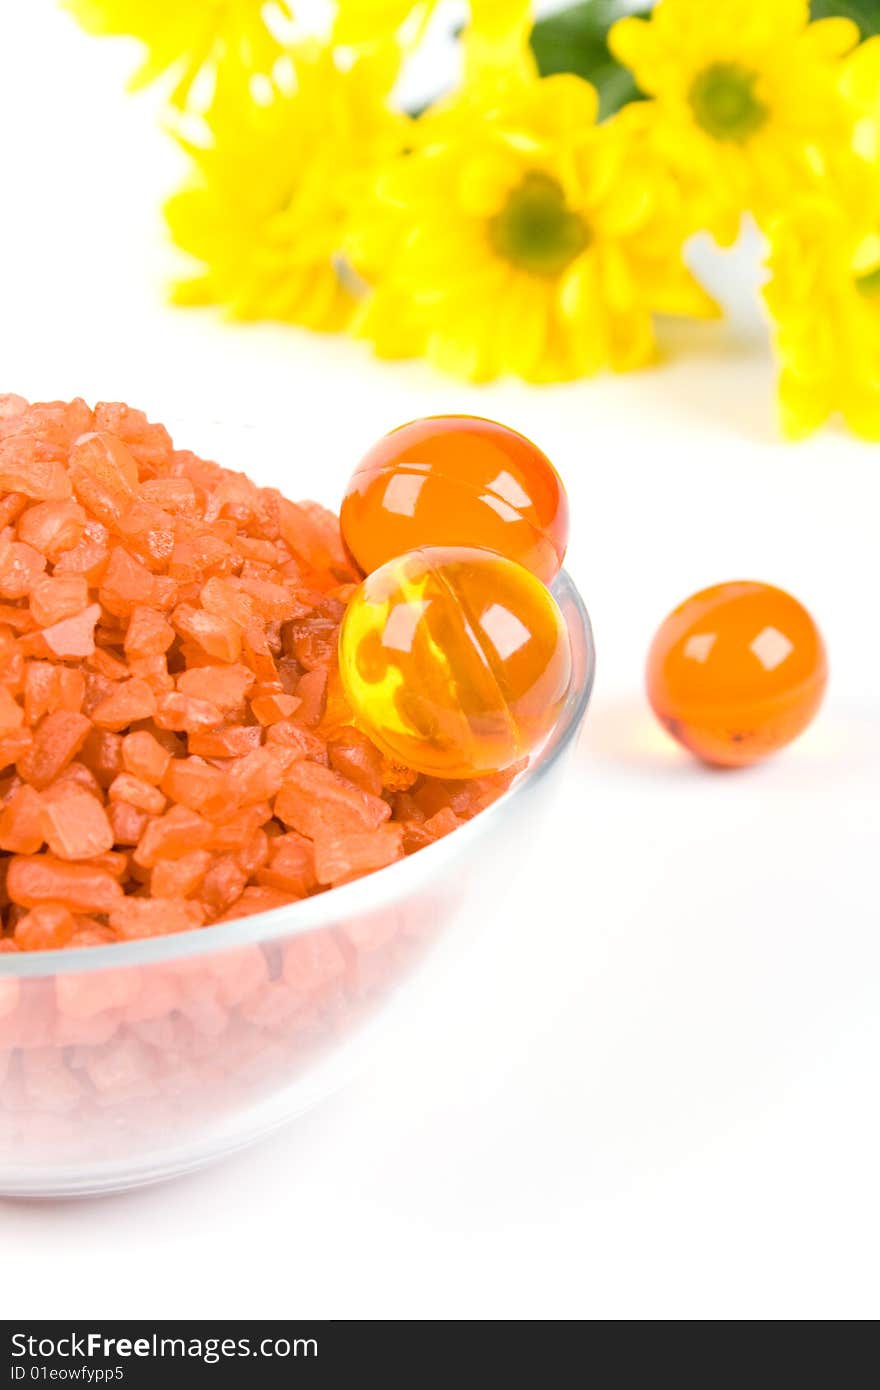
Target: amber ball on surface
[456,480]
[736,672]
[456,662]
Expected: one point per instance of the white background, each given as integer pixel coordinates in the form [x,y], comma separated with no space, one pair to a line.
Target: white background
[651,1091]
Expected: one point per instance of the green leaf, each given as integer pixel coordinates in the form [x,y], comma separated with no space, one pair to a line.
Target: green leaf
[576,40]
[864,13]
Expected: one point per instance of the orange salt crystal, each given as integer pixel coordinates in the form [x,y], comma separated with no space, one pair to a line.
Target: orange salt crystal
[128,822]
[13,746]
[174,834]
[144,756]
[46,928]
[53,527]
[233,741]
[186,714]
[143,795]
[74,823]
[178,878]
[220,637]
[271,709]
[36,879]
[72,637]
[315,800]
[54,599]
[130,701]
[291,865]
[355,757]
[222,885]
[20,568]
[21,825]
[139,917]
[57,738]
[224,686]
[102,752]
[339,858]
[194,783]
[11,712]
[232,830]
[147,634]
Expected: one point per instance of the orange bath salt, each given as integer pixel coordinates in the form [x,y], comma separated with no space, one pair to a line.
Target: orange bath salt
[176,747]
[72,637]
[179,878]
[312,962]
[339,858]
[139,917]
[74,823]
[311,692]
[126,787]
[46,928]
[128,583]
[257,776]
[144,756]
[89,556]
[148,633]
[54,599]
[130,701]
[172,835]
[21,825]
[53,527]
[104,475]
[235,828]
[224,686]
[21,567]
[194,783]
[355,757]
[36,879]
[217,635]
[11,508]
[186,714]
[223,884]
[13,746]
[57,739]
[21,470]
[102,752]
[128,822]
[11,712]
[271,709]
[291,865]
[316,800]
[231,741]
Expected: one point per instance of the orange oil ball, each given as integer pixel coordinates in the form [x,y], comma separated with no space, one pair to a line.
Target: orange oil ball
[736,672]
[456,480]
[456,662]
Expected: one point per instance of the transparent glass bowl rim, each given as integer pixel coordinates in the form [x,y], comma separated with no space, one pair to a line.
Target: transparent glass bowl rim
[363,896]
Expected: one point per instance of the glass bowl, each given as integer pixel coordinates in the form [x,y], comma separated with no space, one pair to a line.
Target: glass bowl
[126,1064]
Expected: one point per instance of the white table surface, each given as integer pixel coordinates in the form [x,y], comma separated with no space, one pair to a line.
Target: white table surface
[651,1090]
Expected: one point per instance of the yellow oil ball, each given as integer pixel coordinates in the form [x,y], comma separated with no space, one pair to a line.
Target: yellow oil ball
[455,661]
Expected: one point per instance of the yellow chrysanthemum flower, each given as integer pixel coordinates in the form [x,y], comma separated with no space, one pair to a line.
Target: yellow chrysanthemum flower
[824,298]
[360,22]
[189,38]
[860,84]
[526,240]
[745,96]
[267,208]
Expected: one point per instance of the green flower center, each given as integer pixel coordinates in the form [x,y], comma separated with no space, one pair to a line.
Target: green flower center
[536,230]
[869,284]
[724,103]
